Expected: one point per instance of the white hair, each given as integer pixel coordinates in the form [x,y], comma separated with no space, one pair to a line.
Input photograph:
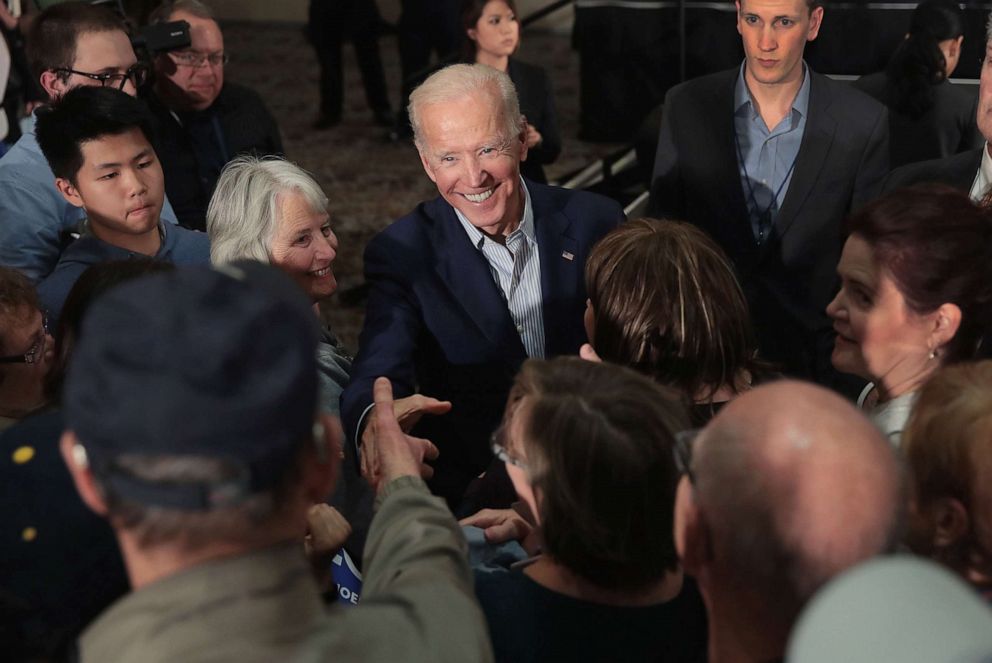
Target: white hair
[244,210]
[461,80]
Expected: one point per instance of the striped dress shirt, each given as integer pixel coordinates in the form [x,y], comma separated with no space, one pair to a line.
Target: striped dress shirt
[516,270]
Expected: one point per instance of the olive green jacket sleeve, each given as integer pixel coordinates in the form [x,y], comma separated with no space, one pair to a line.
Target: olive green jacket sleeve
[417,602]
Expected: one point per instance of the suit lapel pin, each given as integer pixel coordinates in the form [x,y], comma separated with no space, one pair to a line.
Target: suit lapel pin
[567,256]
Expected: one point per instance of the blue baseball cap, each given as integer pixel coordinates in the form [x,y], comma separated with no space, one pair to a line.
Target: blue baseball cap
[202,363]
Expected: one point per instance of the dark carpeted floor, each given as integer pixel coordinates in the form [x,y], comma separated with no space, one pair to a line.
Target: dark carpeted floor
[369,181]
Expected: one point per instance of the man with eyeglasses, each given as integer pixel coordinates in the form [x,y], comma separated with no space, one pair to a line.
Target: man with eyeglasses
[70,45]
[26,348]
[786,487]
[202,121]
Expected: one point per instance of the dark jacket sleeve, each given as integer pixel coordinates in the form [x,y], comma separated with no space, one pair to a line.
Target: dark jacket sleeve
[667,199]
[417,602]
[389,335]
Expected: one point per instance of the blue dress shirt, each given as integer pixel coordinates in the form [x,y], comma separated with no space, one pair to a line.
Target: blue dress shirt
[766,157]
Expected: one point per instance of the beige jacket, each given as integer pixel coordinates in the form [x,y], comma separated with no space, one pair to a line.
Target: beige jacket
[417,602]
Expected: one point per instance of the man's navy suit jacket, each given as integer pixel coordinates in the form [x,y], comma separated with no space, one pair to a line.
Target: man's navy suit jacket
[957,170]
[437,324]
[791,277]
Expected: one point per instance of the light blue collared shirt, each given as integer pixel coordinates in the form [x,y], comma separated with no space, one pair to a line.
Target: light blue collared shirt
[766,157]
[516,270]
[33,213]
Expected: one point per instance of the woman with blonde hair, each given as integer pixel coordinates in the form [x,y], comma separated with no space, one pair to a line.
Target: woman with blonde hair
[948,446]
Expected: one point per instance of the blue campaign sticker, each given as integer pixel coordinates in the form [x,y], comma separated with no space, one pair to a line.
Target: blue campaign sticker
[347,579]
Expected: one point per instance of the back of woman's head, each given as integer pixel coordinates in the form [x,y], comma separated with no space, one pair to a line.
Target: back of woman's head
[937,245]
[598,440]
[90,286]
[666,302]
[951,424]
[918,63]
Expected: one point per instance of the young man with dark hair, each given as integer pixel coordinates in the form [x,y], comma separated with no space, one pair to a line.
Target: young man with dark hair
[98,144]
[70,45]
[768,158]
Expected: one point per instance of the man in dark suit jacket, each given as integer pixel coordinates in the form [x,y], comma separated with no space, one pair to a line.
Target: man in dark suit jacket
[202,121]
[768,159]
[472,283]
[969,171]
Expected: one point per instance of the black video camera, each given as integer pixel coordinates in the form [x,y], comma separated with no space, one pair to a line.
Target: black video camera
[161,37]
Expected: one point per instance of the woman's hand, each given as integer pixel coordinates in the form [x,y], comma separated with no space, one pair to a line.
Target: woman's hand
[534,137]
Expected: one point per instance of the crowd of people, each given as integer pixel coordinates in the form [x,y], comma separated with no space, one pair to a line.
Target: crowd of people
[565,435]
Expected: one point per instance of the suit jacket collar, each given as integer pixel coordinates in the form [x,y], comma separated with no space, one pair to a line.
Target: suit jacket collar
[817,139]
[466,272]
[819,136]
[561,267]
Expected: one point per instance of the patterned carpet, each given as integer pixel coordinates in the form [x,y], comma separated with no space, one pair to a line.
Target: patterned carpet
[369,181]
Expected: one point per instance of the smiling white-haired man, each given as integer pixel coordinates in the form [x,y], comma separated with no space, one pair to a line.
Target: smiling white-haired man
[470,284]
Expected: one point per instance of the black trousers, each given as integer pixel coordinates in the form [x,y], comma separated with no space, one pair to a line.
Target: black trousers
[426,27]
[332,22]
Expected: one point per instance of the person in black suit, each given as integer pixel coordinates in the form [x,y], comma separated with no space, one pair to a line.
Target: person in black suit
[929,117]
[202,121]
[492,35]
[472,283]
[969,171]
[331,22]
[768,159]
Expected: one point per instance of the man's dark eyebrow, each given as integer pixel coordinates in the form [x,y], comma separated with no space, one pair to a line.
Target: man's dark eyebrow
[114,164]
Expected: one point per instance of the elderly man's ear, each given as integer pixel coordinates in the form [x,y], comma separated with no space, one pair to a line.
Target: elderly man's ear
[692,535]
[74,456]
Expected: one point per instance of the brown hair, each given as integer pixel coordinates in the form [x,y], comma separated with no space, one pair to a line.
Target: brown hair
[16,294]
[51,44]
[666,303]
[598,440]
[951,420]
[937,245]
[167,8]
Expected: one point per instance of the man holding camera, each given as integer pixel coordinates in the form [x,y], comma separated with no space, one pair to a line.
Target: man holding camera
[70,44]
[202,121]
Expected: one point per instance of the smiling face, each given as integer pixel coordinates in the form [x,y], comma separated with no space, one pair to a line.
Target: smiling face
[879,337]
[186,86]
[985,95]
[304,246]
[775,33]
[121,186]
[497,32]
[475,166]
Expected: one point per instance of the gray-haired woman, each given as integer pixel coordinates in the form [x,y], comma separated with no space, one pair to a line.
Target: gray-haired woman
[271,210]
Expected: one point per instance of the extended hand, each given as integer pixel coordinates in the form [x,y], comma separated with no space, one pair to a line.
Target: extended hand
[408,412]
[388,453]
